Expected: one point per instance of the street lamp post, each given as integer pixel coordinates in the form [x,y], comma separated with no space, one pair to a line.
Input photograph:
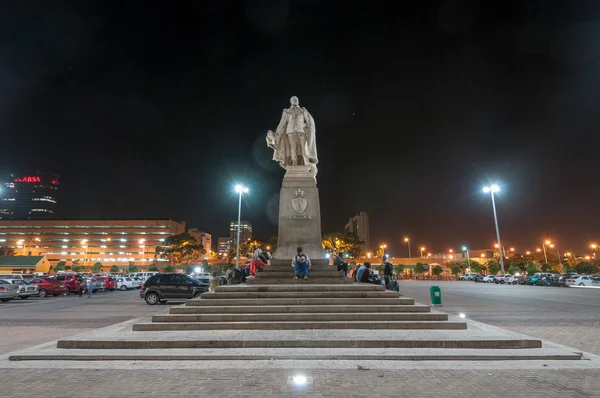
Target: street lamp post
[466,249]
[422,250]
[241,190]
[408,243]
[557,252]
[491,190]
[544,246]
[594,246]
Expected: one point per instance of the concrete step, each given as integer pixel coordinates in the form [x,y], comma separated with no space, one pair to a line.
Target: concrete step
[287,268]
[306,317]
[288,262]
[354,309]
[254,354]
[292,281]
[299,325]
[300,288]
[300,301]
[309,294]
[290,273]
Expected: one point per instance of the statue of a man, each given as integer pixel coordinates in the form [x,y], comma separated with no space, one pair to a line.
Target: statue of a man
[293,142]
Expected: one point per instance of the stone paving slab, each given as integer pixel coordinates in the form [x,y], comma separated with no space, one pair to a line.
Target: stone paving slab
[367,382]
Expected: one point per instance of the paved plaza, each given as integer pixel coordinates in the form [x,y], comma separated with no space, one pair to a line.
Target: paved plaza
[561,315]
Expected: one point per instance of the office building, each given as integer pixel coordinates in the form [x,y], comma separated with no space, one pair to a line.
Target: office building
[359,226]
[202,238]
[29,197]
[224,246]
[110,242]
[245,231]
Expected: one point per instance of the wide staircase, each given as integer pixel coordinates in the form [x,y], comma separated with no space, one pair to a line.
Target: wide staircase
[282,272]
[298,306]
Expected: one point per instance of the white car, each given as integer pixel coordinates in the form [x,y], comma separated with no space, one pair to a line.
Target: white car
[24,289]
[8,291]
[502,278]
[511,279]
[489,278]
[580,281]
[126,283]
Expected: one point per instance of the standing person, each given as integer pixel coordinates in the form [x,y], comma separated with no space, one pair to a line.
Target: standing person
[90,287]
[388,272]
[82,284]
[301,264]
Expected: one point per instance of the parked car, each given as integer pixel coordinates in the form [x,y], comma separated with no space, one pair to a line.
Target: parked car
[477,278]
[562,280]
[511,279]
[71,281]
[145,275]
[522,279]
[467,277]
[489,278]
[25,289]
[48,285]
[125,283]
[12,277]
[580,280]
[98,285]
[169,286]
[110,282]
[8,291]
[502,278]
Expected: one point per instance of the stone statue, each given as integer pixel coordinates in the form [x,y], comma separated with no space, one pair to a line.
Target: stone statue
[293,142]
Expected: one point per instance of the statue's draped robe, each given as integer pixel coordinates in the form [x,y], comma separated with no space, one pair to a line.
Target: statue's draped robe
[275,140]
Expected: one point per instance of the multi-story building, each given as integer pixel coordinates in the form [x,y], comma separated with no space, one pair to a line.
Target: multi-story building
[29,197]
[110,242]
[224,246]
[203,238]
[245,231]
[359,226]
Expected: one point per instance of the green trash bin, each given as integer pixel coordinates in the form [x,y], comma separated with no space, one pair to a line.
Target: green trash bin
[436,296]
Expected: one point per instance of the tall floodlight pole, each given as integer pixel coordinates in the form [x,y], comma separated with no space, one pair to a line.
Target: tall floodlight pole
[408,243]
[544,246]
[241,190]
[466,249]
[494,188]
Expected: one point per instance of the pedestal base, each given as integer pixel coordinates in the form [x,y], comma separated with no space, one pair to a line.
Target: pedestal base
[299,215]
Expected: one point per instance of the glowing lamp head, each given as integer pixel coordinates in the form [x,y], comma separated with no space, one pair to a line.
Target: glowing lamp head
[241,189]
[548,242]
[492,188]
[406,239]
[464,248]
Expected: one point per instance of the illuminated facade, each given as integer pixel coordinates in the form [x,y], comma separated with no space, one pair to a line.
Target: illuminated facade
[29,197]
[110,242]
[245,231]
[204,239]
[224,246]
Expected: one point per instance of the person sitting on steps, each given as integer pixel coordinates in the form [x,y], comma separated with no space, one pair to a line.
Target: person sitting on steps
[340,264]
[365,275]
[301,264]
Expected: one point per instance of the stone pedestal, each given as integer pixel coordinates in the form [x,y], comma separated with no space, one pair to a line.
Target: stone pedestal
[299,216]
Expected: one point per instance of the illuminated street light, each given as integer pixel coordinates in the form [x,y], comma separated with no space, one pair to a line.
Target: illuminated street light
[492,189]
[422,250]
[528,253]
[547,242]
[408,243]
[241,190]
[466,249]
[594,246]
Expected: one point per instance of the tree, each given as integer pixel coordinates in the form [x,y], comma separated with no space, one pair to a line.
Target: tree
[493,268]
[77,268]
[181,248]
[114,269]
[419,269]
[398,270]
[97,267]
[532,269]
[514,269]
[437,271]
[152,268]
[60,266]
[169,268]
[567,269]
[455,269]
[132,268]
[546,267]
[343,243]
[475,267]
[585,268]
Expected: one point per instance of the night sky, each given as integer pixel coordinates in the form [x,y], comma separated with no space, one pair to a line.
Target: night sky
[154,109]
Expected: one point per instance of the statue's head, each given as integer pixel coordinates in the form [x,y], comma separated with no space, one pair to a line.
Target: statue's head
[294,101]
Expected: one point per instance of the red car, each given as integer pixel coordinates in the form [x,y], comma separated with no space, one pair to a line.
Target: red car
[109,281]
[48,286]
[71,281]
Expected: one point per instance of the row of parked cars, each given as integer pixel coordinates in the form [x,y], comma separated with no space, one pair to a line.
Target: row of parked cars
[538,279]
[24,286]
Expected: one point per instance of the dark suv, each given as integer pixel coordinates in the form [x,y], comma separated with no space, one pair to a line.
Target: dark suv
[71,281]
[162,287]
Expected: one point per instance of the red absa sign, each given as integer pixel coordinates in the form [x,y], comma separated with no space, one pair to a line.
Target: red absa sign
[28,179]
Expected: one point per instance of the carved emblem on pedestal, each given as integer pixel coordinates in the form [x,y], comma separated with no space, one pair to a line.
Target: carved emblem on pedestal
[300,204]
